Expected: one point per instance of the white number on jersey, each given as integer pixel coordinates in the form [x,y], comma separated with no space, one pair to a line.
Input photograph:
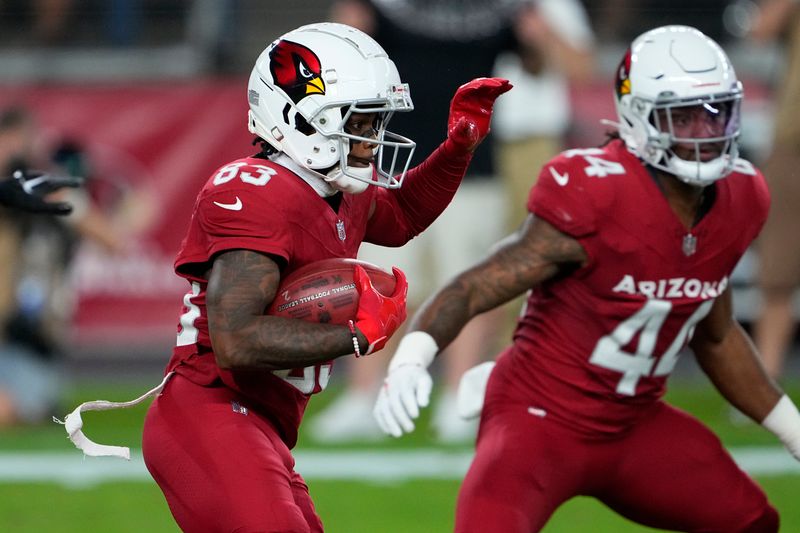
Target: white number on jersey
[306,379]
[598,167]
[647,323]
[229,172]
[188,332]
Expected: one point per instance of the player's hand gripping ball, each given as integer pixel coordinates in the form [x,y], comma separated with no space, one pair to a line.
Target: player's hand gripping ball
[379,315]
[325,291]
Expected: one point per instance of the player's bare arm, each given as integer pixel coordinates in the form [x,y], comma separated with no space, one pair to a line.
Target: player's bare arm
[241,284]
[534,254]
[727,355]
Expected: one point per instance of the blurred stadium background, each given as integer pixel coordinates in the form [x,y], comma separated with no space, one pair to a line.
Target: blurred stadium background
[154,92]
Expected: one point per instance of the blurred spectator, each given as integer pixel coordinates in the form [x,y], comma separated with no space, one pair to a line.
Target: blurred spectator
[532,120]
[439,45]
[58,23]
[622,20]
[779,255]
[51,19]
[36,301]
[28,191]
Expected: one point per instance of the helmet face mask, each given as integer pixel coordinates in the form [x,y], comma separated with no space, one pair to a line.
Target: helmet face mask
[678,102]
[306,85]
[389,176]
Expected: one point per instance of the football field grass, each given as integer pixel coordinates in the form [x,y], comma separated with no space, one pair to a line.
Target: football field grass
[421,500]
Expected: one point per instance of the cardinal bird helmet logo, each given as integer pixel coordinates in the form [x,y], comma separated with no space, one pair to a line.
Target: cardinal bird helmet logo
[296,70]
[623,82]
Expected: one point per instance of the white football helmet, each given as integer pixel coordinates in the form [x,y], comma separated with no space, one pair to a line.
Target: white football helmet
[304,87]
[671,67]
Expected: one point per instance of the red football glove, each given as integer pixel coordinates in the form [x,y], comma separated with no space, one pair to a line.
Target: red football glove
[471,111]
[379,316]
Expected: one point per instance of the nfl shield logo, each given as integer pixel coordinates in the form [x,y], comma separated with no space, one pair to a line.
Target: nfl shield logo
[340,230]
[689,244]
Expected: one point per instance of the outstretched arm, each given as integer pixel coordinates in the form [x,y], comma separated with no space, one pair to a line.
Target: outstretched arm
[533,255]
[398,215]
[520,262]
[727,355]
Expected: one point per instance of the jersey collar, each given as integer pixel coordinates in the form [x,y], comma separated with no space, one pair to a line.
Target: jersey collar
[320,186]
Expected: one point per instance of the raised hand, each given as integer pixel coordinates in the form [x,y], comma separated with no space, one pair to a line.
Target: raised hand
[471,111]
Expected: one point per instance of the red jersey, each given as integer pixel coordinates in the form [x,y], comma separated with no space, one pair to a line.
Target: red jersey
[594,346]
[256,204]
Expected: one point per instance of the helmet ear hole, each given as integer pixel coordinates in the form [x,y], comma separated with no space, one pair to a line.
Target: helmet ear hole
[302,125]
[285,113]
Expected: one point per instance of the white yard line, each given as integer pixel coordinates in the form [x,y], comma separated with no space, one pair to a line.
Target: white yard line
[70,468]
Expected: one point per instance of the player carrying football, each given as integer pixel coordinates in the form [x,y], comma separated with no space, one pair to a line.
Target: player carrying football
[218,438]
[627,252]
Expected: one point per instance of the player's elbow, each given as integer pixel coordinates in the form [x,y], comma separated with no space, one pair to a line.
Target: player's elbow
[226,358]
[234,354]
[226,353]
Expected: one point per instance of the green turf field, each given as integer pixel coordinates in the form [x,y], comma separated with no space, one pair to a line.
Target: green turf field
[346,505]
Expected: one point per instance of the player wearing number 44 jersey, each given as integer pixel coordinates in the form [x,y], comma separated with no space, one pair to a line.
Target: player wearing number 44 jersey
[627,252]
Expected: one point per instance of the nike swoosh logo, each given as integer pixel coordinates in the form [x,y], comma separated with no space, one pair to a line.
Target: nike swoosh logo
[235,206]
[561,179]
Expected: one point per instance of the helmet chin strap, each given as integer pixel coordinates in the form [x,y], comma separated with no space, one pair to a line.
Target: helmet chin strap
[699,173]
[346,182]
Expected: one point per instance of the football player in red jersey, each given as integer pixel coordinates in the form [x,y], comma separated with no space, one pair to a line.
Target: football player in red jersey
[627,253]
[218,438]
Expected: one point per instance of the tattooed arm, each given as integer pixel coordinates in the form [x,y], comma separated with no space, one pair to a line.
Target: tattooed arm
[536,253]
[531,256]
[241,284]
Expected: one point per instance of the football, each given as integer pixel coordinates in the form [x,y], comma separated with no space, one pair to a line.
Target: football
[324,291]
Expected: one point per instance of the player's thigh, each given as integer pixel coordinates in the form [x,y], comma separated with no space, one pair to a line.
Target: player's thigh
[673,473]
[520,474]
[221,468]
[303,500]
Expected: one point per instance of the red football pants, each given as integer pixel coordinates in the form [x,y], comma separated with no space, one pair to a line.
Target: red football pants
[219,469]
[668,472]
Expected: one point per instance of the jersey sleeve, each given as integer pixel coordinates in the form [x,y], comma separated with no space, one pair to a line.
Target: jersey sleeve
[560,196]
[761,198]
[237,214]
[754,197]
[401,214]
[259,225]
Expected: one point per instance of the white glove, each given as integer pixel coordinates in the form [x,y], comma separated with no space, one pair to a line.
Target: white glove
[784,422]
[408,384]
[472,389]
